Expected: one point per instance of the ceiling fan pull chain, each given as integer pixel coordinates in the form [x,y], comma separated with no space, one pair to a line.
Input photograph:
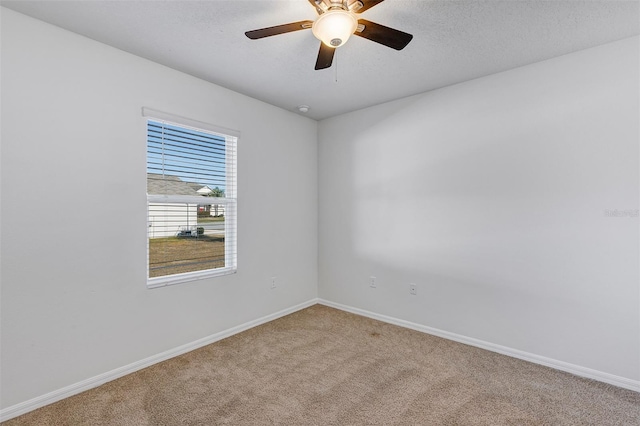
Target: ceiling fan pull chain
[336,62]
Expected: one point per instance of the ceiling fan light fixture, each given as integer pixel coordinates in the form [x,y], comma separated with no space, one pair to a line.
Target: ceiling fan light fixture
[334,27]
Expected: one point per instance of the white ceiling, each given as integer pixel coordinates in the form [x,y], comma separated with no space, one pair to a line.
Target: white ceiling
[454,41]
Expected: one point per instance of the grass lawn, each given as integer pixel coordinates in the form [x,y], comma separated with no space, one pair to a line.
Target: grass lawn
[168,256]
[210,219]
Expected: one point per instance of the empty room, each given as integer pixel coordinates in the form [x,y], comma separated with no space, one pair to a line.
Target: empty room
[316,212]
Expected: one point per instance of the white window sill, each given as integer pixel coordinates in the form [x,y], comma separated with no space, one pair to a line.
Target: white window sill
[168,280]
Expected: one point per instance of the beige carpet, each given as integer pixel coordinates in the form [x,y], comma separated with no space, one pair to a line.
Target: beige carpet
[321,366]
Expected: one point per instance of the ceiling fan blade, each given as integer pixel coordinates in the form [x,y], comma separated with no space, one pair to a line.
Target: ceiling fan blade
[366,4]
[325,56]
[278,29]
[315,6]
[389,37]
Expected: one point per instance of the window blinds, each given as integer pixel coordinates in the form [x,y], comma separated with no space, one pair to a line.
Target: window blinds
[191,194]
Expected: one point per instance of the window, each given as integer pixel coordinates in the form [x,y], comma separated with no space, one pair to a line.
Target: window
[191,199]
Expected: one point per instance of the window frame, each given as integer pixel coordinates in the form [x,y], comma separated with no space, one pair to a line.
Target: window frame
[230,200]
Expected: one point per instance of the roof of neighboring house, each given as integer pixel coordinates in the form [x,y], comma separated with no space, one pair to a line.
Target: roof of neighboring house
[169,185]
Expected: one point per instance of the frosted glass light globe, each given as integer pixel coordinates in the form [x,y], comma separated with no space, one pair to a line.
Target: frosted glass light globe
[334,27]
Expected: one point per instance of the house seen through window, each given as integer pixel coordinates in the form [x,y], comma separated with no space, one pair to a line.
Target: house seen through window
[191,199]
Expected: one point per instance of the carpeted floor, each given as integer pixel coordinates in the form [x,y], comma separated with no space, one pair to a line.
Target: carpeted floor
[322,366]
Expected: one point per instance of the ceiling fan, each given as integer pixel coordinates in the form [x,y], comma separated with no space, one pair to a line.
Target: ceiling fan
[336,22]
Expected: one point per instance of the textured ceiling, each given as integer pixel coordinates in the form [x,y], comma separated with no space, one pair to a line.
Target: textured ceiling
[454,41]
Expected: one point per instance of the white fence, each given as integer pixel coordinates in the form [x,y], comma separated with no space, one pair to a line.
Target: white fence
[169,220]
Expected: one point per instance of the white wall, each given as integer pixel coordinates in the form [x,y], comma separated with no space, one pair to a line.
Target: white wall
[74,296]
[491,195]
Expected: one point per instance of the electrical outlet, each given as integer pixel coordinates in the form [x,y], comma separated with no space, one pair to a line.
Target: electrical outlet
[273,283]
[413,289]
[372,282]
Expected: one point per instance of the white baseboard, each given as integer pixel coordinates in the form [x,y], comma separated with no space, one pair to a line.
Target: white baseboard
[589,373]
[93,382]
